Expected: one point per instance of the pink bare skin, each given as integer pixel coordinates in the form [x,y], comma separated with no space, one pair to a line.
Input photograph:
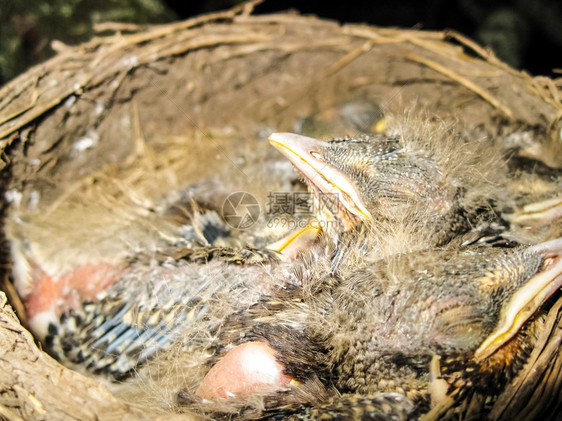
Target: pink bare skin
[247,369]
[84,282]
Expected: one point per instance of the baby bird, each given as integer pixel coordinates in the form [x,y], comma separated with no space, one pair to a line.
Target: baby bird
[109,314]
[436,184]
[369,328]
[152,305]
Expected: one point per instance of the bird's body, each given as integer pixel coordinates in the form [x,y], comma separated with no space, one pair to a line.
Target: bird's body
[366,327]
[149,308]
[403,272]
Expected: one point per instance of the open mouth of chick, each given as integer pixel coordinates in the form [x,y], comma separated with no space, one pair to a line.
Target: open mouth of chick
[525,302]
[336,198]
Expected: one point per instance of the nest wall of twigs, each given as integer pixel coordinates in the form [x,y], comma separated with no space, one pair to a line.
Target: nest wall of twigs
[211,82]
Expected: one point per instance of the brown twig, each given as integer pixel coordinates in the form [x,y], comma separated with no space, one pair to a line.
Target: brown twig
[464,82]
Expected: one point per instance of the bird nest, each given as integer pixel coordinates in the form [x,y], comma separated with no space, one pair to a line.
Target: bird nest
[116,118]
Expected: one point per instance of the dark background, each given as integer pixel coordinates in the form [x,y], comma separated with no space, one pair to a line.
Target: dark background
[527,34]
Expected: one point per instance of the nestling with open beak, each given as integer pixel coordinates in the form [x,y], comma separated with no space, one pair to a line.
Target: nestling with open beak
[391,179]
[427,179]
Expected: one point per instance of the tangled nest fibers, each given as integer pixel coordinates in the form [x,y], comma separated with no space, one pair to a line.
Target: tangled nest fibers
[145,95]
